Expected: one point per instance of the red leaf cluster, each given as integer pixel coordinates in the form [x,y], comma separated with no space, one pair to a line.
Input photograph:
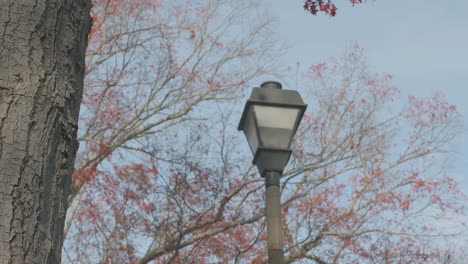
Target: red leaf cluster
[83,175]
[327,6]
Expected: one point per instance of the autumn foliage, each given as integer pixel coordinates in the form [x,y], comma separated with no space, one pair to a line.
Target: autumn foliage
[163,176]
[325,6]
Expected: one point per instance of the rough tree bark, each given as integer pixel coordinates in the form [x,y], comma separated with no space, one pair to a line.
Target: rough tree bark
[42,51]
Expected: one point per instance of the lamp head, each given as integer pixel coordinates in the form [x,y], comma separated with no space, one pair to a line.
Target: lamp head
[270,119]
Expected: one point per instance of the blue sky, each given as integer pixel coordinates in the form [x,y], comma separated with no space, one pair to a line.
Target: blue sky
[424,44]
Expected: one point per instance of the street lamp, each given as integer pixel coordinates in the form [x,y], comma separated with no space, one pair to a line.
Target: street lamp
[269,121]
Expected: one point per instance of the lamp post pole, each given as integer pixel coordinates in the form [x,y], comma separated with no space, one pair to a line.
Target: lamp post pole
[273,218]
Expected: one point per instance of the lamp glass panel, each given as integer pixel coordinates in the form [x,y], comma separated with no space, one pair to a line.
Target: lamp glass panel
[250,131]
[276,125]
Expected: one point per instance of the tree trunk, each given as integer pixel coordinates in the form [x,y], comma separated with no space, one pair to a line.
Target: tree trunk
[42,51]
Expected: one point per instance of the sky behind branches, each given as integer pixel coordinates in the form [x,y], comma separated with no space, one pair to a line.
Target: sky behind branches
[424,44]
